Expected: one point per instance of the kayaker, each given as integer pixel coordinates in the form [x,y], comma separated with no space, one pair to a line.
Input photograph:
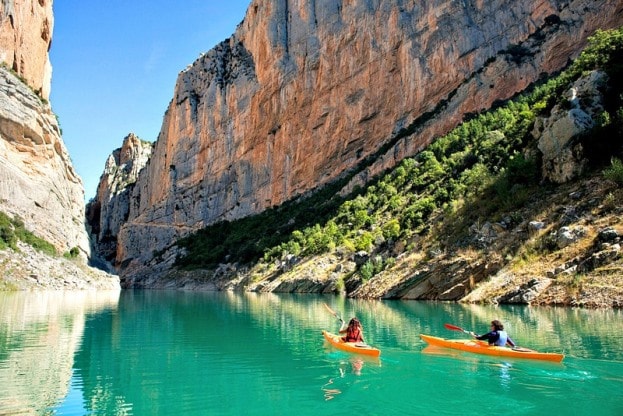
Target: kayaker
[354,331]
[497,335]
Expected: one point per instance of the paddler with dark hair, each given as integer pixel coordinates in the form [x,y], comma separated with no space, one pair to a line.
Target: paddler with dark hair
[497,335]
[354,331]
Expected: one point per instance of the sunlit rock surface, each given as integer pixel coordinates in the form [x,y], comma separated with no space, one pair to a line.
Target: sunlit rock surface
[37,179]
[25,38]
[305,91]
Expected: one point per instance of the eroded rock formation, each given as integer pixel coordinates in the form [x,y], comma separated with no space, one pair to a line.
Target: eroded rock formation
[37,180]
[38,183]
[109,210]
[25,39]
[305,91]
[559,134]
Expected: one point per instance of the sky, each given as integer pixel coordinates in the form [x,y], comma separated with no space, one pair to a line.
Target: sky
[114,67]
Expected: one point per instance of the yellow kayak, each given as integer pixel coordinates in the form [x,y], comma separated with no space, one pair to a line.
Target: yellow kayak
[482,347]
[356,347]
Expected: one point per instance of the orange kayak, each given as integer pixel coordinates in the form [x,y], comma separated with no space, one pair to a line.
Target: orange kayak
[356,347]
[482,347]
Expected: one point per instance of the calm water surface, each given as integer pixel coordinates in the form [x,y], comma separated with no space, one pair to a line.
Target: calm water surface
[173,353]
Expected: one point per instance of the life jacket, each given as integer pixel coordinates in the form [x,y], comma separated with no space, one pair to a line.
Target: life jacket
[502,338]
[353,335]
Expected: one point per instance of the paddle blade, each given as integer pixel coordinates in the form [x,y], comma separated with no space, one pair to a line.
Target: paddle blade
[454,328]
[333,312]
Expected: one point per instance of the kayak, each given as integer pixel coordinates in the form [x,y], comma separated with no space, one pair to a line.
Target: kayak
[482,347]
[356,347]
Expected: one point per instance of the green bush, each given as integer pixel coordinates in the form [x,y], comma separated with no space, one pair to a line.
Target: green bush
[615,171]
[73,253]
[391,229]
[7,232]
[12,230]
[364,241]
[367,270]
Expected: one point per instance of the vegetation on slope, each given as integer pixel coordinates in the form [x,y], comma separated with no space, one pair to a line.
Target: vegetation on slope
[486,169]
[12,230]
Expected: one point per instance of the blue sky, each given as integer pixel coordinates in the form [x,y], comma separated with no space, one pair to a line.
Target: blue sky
[115,64]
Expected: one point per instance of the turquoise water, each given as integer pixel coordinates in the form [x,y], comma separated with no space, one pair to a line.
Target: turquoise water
[173,353]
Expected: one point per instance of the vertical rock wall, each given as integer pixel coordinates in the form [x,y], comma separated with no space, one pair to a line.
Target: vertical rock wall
[25,38]
[110,208]
[304,91]
[37,180]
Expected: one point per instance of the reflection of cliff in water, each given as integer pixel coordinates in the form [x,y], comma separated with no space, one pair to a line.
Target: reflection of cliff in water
[39,335]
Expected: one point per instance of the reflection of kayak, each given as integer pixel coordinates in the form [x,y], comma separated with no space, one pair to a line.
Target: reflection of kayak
[356,347]
[482,347]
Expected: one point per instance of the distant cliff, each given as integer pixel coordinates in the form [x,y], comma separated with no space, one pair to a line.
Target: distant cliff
[109,210]
[304,92]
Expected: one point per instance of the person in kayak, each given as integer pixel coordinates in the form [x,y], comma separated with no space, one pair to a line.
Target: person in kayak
[354,331]
[497,335]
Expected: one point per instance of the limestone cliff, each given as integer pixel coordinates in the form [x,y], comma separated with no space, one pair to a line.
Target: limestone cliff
[37,180]
[305,91]
[25,39]
[109,210]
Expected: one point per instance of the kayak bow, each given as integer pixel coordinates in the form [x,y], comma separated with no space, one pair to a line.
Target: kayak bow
[482,347]
[355,347]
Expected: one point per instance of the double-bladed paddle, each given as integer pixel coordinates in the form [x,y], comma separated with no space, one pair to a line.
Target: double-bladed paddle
[457,328]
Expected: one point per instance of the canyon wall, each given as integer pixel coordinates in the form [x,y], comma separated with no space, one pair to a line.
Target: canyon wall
[110,208]
[306,91]
[37,180]
[25,39]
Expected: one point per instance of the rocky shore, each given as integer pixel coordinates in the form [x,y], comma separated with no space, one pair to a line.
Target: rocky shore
[29,269]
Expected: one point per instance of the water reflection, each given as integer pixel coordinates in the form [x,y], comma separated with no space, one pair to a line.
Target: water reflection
[352,366]
[39,334]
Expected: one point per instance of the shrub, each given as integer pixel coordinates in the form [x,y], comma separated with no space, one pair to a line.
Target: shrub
[615,172]
[7,232]
[364,242]
[73,253]
[372,267]
[12,230]
[391,229]
[520,170]
[367,270]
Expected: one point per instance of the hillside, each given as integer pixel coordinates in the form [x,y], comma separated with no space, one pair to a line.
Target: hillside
[485,214]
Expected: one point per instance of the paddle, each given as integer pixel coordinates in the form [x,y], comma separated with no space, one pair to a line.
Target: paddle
[457,328]
[362,343]
[334,313]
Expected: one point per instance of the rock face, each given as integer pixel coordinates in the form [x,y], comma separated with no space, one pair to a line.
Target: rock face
[37,179]
[109,210]
[25,39]
[305,91]
[563,156]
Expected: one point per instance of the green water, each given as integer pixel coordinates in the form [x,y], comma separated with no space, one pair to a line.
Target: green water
[174,353]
